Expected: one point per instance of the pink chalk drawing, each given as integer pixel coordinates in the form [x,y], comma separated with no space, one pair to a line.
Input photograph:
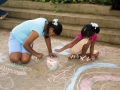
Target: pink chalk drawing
[64,75]
[86,83]
[108,73]
[8,80]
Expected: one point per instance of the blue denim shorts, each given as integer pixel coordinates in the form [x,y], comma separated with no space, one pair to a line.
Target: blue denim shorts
[15,46]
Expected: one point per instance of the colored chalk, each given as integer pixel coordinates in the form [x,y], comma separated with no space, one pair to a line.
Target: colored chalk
[52,63]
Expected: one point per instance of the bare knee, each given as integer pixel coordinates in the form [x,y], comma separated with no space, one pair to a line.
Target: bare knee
[25,60]
[14,58]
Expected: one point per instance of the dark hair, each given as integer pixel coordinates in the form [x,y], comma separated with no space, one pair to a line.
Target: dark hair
[88,30]
[57,28]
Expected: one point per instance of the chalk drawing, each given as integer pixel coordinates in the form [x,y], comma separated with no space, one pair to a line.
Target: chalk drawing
[3,73]
[64,75]
[21,73]
[35,58]
[71,64]
[85,67]
[2,57]
[56,41]
[65,52]
[8,79]
[8,70]
[64,72]
[39,46]
[87,83]
[61,76]
[91,73]
[60,41]
[108,85]
[108,50]
[24,68]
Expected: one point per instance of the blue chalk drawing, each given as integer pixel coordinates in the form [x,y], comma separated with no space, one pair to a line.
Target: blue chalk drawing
[65,52]
[85,67]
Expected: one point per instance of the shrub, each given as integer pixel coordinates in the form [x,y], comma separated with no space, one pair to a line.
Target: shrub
[105,2]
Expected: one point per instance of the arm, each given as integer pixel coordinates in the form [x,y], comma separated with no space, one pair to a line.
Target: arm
[48,43]
[34,35]
[68,45]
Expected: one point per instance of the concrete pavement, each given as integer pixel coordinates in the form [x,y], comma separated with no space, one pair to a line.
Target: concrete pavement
[102,74]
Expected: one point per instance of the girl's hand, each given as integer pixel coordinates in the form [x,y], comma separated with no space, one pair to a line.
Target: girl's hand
[57,50]
[39,55]
[52,55]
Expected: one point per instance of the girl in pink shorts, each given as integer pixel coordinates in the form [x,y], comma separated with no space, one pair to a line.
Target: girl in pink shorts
[82,46]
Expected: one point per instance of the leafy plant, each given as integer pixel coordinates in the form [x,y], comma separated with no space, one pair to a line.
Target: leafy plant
[41,0]
[56,2]
[105,2]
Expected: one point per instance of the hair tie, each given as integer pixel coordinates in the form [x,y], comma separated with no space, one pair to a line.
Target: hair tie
[95,25]
[55,22]
[84,29]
